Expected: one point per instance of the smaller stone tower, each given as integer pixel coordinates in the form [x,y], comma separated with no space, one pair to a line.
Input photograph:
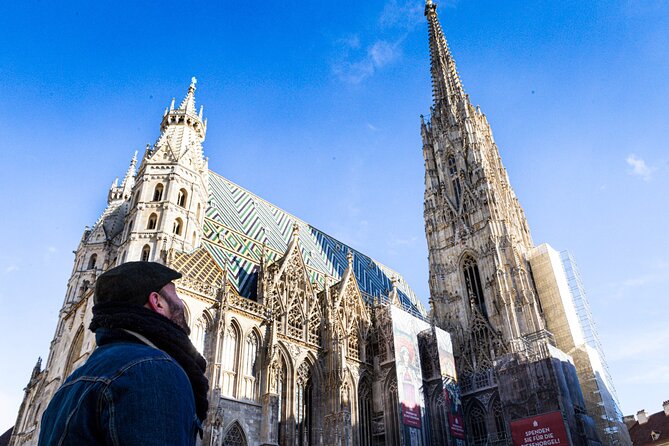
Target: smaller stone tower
[171,188]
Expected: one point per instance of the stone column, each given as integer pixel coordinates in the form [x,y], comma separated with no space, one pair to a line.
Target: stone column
[269,434]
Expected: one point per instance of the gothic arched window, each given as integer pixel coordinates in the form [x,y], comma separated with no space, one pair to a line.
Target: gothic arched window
[75,351]
[280,373]
[295,320]
[392,414]
[176,227]
[92,261]
[158,192]
[303,404]
[500,423]
[199,333]
[146,252]
[250,367]
[473,284]
[181,198]
[365,413]
[440,415]
[152,222]
[235,436]
[229,361]
[476,424]
[455,181]
[315,327]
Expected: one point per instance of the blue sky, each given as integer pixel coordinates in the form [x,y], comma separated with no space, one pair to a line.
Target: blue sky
[315,107]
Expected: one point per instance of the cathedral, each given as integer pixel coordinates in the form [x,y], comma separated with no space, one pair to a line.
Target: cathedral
[310,342]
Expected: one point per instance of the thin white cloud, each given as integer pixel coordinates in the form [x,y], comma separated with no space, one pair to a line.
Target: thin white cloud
[372,127]
[11,269]
[358,61]
[377,56]
[639,167]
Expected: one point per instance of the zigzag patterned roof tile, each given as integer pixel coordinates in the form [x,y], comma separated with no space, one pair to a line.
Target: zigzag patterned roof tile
[238,223]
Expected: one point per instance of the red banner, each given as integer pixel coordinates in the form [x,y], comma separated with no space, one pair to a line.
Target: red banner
[411,415]
[457,425]
[542,430]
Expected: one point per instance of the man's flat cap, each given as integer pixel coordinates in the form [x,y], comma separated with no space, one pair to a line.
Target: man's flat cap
[132,282]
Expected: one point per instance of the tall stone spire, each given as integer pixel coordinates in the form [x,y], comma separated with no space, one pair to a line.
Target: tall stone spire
[446,85]
[476,230]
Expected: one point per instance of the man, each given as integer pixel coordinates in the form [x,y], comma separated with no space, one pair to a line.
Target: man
[144,384]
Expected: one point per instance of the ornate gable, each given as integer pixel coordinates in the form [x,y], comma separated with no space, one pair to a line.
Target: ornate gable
[289,292]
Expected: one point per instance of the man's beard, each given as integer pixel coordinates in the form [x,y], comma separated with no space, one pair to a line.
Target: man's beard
[178,316]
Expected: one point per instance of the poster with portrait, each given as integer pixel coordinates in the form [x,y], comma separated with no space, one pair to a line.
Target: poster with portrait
[409,375]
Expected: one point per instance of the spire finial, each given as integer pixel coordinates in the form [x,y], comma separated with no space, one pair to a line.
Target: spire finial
[296,229]
[349,258]
[188,104]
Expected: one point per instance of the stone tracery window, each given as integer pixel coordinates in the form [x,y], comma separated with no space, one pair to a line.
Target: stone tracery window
[199,333]
[229,361]
[315,327]
[91,262]
[354,344]
[498,416]
[392,415]
[303,404]
[473,284]
[280,376]
[250,367]
[476,425]
[455,181]
[295,320]
[365,413]
[235,436]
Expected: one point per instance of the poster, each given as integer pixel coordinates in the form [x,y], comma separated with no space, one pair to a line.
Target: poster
[541,430]
[409,375]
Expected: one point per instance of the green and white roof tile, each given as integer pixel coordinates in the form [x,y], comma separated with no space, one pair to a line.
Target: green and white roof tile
[238,222]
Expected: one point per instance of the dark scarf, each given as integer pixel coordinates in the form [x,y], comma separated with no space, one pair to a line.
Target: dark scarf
[164,334]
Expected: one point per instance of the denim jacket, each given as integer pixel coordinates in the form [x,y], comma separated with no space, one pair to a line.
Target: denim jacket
[127,393]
